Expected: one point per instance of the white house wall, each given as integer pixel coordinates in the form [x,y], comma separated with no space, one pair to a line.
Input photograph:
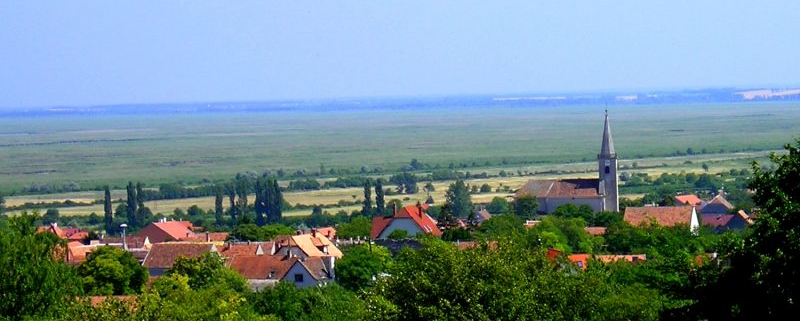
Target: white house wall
[406,224]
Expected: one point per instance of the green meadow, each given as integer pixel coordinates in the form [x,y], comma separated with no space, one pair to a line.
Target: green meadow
[192,147]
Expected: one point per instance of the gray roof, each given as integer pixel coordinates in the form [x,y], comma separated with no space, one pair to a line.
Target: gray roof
[607,147]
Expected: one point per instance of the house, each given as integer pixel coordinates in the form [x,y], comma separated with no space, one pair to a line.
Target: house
[163,255]
[664,216]
[717,205]
[601,194]
[181,231]
[69,234]
[306,245]
[266,270]
[412,219]
[689,199]
[167,231]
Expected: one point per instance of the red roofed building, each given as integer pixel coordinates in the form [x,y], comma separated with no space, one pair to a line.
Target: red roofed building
[167,231]
[663,215]
[412,219]
[266,270]
[163,255]
[582,260]
[689,199]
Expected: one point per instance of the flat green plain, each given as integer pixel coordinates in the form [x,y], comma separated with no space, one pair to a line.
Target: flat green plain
[191,147]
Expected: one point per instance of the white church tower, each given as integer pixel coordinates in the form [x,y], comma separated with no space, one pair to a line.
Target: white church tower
[607,162]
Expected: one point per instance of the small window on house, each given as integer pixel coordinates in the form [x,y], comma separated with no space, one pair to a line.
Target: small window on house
[580,264]
[608,169]
[298,278]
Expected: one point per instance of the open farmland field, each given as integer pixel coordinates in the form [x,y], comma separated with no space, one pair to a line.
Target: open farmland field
[331,197]
[96,150]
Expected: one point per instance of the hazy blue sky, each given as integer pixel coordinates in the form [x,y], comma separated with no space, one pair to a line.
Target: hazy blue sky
[102,52]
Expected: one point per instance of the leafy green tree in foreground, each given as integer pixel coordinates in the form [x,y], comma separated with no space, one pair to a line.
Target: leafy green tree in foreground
[441,282]
[206,271]
[762,279]
[361,265]
[33,281]
[112,271]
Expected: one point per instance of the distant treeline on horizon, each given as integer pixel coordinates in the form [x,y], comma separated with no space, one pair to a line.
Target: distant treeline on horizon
[724,95]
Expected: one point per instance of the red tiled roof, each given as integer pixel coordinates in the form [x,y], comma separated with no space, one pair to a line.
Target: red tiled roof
[163,255]
[177,230]
[595,230]
[663,215]
[259,267]
[689,199]
[717,220]
[211,237]
[232,250]
[582,260]
[565,188]
[423,220]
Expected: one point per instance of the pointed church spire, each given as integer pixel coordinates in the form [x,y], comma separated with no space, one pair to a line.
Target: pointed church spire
[607,148]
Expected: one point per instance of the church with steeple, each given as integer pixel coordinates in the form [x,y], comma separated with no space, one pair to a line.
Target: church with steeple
[601,194]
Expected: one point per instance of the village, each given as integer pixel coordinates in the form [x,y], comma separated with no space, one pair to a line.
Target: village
[309,257]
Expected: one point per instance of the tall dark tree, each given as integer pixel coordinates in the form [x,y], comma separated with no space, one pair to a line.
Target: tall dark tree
[242,189]
[2,203]
[218,210]
[366,210]
[132,205]
[458,199]
[230,190]
[380,203]
[274,201]
[141,211]
[108,219]
[260,204]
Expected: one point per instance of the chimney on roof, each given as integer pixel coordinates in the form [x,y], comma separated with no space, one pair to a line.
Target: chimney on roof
[394,209]
[419,209]
[208,237]
[298,232]
[313,232]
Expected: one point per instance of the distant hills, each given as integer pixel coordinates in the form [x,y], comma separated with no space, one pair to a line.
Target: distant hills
[720,95]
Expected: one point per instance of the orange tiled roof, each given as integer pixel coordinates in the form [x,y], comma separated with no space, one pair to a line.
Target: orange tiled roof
[309,244]
[663,215]
[163,255]
[423,220]
[689,199]
[565,188]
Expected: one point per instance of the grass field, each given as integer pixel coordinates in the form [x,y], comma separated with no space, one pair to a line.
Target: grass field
[717,163]
[96,150]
